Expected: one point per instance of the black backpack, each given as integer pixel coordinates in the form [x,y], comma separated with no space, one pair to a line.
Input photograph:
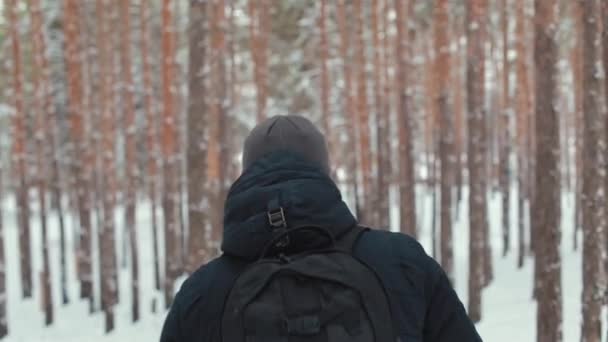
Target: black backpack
[321,295]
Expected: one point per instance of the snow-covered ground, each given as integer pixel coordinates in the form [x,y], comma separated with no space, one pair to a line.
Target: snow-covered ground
[509,314]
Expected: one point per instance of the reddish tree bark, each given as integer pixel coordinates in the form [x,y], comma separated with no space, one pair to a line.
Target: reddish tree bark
[407,206]
[476,17]
[169,147]
[19,152]
[442,72]
[259,30]
[42,106]
[546,211]
[197,140]
[131,168]
[151,133]
[594,153]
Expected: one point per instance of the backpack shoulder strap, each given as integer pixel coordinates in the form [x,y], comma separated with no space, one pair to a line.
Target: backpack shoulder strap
[347,241]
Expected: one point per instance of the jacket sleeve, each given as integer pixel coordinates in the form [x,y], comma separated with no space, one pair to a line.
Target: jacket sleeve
[446,318]
[171,329]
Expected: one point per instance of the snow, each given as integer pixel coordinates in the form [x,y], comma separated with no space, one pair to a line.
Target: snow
[509,314]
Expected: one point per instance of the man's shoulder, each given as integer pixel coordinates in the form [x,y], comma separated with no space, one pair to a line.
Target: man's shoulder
[210,279]
[393,244]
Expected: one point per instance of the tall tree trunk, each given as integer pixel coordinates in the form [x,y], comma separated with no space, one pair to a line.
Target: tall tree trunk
[73,44]
[524,107]
[442,72]
[3,296]
[593,201]
[42,106]
[363,112]
[131,164]
[19,151]
[106,235]
[476,17]
[170,191]
[386,170]
[576,65]
[217,121]
[407,197]
[546,212]
[152,132]
[197,139]
[259,14]
[325,90]
[605,63]
[351,115]
[505,143]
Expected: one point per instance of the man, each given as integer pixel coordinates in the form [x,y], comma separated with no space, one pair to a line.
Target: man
[286,156]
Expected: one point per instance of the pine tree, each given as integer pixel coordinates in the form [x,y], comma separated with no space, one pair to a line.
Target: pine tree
[151,115]
[476,16]
[505,133]
[132,172]
[19,150]
[198,215]
[74,68]
[442,68]
[546,210]
[259,31]
[593,201]
[407,206]
[524,107]
[42,107]
[169,147]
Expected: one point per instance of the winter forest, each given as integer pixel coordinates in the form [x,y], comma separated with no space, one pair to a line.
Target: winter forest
[478,126]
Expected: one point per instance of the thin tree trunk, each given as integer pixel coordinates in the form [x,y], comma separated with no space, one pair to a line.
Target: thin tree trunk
[442,72]
[363,112]
[152,133]
[197,140]
[546,214]
[170,193]
[131,164]
[476,17]
[42,106]
[407,206]
[19,151]
[351,116]
[577,86]
[524,106]
[3,296]
[106,236]
[384,136]
[505,145]
[259,14]
[217,121]
[593,201]
[325,90]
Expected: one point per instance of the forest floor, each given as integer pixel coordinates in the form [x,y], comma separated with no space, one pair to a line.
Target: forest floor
[509,314]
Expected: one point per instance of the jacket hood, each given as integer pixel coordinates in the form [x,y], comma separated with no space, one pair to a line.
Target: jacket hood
[307,195]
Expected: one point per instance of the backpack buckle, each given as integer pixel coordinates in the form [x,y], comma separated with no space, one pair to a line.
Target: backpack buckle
[276,218]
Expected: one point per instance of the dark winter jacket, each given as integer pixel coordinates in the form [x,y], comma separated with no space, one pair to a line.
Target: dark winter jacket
[423,303]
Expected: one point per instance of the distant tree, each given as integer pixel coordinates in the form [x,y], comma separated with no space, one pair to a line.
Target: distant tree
[3,297]
[505,132]
[19,150]
[259,30]
[524,108]
[153,160]
[576,64]
[42,107]
[198,201]
[381,110]
[74,68]
[546,209]
[476,17]
[593,201]
[442,73]
[363,112]
[349,100]
[407,206]
[169,148]
[132,172]
[324,89]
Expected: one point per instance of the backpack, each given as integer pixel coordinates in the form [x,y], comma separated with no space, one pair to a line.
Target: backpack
[320,295]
